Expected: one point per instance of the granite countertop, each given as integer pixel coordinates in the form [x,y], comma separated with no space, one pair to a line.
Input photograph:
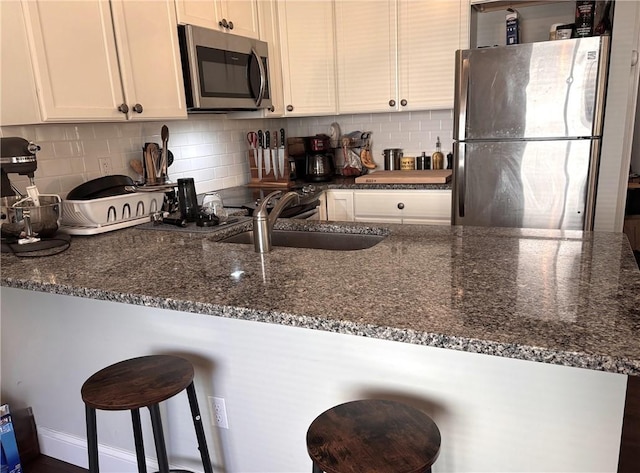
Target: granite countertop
[564,298]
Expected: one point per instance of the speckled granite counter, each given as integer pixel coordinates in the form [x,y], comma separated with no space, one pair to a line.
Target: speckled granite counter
[555,297]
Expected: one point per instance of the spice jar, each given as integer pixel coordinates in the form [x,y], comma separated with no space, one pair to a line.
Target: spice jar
[407,163]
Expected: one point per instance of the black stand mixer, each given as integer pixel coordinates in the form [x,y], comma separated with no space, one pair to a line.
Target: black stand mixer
[28,224]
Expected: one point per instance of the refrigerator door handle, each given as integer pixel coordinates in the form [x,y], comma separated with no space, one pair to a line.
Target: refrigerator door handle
[463,98]
[460,177]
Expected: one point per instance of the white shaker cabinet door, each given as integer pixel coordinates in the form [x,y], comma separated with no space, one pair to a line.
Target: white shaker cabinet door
[366,56]
[339,205]
[429,33]
[308,62]
[149,57]
[241,16]
[229,16]
[18,99]
[74,59]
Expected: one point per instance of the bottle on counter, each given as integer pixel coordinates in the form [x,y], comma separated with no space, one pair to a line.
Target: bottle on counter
[449,160]
[422,161]
[437,159]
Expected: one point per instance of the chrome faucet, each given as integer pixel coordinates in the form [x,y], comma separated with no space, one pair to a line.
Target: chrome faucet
[263,221]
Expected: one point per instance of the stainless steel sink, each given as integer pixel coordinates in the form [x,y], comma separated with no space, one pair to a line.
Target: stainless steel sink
[315,240]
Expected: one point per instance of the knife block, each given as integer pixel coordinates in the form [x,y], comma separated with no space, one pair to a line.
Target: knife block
[269,179]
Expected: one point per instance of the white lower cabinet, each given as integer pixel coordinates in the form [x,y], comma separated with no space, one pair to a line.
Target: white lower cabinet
[420,206]
[339,206]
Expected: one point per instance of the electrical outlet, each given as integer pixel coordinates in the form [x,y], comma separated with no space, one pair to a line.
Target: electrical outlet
[218,412]
[105,166]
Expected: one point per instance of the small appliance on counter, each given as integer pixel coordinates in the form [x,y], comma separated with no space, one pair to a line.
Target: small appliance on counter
[28,224]
[313,158]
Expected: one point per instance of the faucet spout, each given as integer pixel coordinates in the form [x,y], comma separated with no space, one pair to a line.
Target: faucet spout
[263,221]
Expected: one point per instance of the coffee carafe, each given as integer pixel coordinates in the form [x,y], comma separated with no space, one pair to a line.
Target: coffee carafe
[320,166]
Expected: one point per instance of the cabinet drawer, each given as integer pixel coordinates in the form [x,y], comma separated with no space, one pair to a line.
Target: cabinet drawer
[427,205]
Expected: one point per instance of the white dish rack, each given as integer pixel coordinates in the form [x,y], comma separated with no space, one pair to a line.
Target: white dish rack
[90,217]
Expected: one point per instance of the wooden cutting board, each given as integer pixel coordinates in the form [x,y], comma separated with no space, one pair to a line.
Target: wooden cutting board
[439,176]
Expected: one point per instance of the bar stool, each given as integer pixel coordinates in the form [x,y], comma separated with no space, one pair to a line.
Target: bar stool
[373,436]
[142,382]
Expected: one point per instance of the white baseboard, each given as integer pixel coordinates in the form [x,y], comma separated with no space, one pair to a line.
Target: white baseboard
[73,449]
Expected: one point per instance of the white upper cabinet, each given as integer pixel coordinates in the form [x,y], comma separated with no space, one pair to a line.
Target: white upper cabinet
[232,16]
[308,57]
[366,55]
[429,34]
[398,54]
[18,98]
[149,57]
[85,72]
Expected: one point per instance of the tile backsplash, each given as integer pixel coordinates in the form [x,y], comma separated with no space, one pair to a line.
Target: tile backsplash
[212,149]
[414,132]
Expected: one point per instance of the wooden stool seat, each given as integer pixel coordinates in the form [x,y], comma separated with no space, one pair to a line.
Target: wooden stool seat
[142,382]
[373,436]
[136,383]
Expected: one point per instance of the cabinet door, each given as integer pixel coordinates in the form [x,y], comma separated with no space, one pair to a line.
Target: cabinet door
[429,33]
[340,205]
[216,13]
[149,55]
[270,33]
[74,59]
[18,98]
[242,16]
[366,56]
[308,63]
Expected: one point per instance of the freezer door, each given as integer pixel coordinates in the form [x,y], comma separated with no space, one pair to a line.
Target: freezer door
[534,184]
[551,89]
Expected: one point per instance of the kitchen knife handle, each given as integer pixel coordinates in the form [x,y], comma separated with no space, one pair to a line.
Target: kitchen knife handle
[260,139]
[282,137]
[267,139]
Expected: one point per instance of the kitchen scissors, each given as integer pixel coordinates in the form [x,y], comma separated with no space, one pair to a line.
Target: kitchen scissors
[252,139]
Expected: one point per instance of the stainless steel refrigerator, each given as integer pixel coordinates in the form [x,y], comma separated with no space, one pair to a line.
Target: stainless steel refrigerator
[527,132]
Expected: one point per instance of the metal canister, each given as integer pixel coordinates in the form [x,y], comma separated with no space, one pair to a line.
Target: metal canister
[392,158]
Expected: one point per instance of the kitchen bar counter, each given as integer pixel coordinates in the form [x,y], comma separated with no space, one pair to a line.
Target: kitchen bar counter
[563,298]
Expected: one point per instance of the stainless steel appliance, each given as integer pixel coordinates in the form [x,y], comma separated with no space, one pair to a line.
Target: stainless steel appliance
[223,72]
[320,166]
[527,132]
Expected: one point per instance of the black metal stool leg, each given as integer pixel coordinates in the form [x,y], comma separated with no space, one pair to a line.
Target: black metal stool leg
[316,469]
[158,438]
[92,439]
[197,423]
[137,438]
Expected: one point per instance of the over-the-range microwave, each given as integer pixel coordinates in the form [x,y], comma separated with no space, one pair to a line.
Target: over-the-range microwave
[222,71]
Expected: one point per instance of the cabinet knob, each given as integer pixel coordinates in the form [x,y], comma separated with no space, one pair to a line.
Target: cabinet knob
[289,108]
[231,25]
[124,108]
[403,102]
[223,23]
[400,205]
[272,109]
[392,103]
[137,108]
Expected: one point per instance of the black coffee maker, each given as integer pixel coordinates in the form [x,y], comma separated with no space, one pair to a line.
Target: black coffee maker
[320,166]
